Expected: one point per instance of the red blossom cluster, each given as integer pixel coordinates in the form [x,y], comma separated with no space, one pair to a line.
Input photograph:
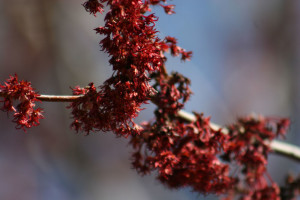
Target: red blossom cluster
[135,53]
[184,154]
[248,149]
[93,7]
[292,188]
[169,9]
[134,49]
[171,43]
[25,115]
[172,92]
[209,161]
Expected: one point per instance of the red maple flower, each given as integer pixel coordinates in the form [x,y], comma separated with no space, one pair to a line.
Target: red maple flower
[169,9]
[173,148]
[25,115]
[248,148]
[93,6]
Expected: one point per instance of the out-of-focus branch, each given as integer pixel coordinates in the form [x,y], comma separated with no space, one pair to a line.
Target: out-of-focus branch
[285,149]
[190,117]
[281,148]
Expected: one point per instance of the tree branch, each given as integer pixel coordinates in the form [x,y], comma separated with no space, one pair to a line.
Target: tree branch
[58,98]
[285,149]
[281,148]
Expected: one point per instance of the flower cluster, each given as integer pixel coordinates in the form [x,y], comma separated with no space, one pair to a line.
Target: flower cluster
[171,42]
[135,53]
[25,114]
[197,156]
[248,148]
[172,92]
[291,189]
[134,49]
[93,7]
[169,9]
[184,154]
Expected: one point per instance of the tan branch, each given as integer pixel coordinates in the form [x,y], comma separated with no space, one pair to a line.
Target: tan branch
[58,98]
[278,147]
[281,148]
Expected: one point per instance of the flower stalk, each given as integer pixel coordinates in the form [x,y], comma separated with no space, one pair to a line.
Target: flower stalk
[279,147]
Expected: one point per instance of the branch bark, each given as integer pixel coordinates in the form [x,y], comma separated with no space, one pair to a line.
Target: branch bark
[58,98]
[279,147]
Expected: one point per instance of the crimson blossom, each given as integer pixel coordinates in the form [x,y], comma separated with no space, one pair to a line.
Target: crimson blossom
[25,114]
[135,52]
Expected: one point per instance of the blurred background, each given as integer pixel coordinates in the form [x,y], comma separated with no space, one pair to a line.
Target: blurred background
[246,60]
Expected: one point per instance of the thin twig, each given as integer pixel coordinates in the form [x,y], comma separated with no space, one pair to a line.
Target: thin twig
[281,148]
[54,98]
[58,98]
[278,147]
[285,149]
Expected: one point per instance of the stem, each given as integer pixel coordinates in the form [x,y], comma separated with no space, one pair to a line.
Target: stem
[281,148]
[58,98]
[285,149]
